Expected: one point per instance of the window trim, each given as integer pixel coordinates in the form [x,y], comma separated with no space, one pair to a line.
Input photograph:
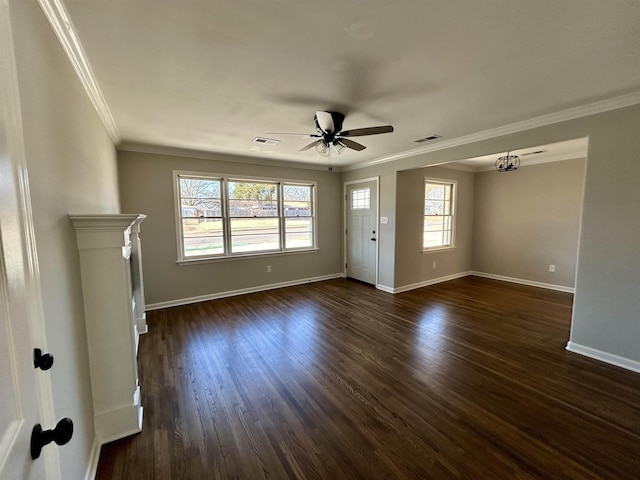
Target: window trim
[454,213]
[226,219]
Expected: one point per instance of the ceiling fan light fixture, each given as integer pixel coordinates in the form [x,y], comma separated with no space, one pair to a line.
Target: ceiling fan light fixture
[507,163]
[322,148]
[339,146]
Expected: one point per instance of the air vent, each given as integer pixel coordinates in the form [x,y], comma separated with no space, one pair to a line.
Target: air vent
[428,139]
[537,152]
[266,141]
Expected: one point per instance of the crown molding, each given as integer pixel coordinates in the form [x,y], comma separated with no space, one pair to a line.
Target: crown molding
[219,156]
[561,116]
[61,24]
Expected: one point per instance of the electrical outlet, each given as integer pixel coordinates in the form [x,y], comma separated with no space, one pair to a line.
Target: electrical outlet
[268,268]
[433,265]
[552,268]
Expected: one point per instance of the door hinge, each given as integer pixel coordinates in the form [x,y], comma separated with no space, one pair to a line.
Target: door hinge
[345,265]
[345,231]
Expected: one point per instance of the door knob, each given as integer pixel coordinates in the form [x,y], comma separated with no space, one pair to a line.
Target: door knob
[373,239]
[61,435]
[43,362]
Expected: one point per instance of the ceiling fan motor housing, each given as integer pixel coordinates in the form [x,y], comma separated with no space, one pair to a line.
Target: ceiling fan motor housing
[328,124]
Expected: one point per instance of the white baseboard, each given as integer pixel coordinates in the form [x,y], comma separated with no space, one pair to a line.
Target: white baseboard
[616,360]
[92,469]
[242,291]
[432,281]
[384,288]
[120,422]
[530,283]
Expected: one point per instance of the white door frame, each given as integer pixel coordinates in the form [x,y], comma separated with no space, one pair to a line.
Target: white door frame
[344,221]
[19,230]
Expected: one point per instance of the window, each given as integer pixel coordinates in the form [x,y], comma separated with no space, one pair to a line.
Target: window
[439,206]
[298,218]
[254,223]
[360,199]
[225,217]
[201,216]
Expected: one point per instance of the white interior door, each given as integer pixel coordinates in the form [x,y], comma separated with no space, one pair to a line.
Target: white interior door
[18,387]
[22,392]
[362,230]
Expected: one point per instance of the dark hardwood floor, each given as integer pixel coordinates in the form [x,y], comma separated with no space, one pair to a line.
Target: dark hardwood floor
[336,380]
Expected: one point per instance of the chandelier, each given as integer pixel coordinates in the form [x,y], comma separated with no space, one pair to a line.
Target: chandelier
[507,163]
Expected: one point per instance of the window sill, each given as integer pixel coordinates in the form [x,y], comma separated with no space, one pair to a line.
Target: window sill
[231,258]
[438,249]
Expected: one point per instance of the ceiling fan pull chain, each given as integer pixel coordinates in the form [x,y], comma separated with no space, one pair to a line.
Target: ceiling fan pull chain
[330,158]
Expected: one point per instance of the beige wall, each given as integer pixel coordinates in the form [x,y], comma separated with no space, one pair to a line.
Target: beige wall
[72,168]
[607,300]
[412,266]
[526,220]
[146,186]
[607,303]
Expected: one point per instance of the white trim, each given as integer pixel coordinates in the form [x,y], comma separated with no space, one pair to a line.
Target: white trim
[610,358]
[521,281]
[241,291]
[438,249]
[92,468]
[425,283]
[244,256]
[561,116]
[384,288]
[117,423]
[491,276]
[344,221]
[61,24]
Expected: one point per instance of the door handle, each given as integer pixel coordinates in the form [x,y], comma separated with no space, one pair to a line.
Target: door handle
[373,239]
[61,435]
[42,361]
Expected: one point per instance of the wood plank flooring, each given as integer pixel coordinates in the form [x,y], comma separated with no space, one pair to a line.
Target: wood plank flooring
[336,380]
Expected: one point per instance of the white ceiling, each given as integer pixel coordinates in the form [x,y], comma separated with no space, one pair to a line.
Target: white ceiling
[211,75]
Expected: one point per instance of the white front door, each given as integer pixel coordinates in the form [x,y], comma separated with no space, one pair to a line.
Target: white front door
[22,393]
[362,230]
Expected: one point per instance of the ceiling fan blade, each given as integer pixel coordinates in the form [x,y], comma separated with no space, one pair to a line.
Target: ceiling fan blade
[324,120]
[361,132]
[310,146]
[351,144]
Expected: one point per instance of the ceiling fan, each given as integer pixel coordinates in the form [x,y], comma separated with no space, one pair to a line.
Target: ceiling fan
[329,134]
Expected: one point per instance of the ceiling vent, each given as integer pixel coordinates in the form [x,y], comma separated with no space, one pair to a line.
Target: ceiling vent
[266,141]
[537,152]
[428,139]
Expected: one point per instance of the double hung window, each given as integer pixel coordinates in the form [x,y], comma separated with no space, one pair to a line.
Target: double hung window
[439,206]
